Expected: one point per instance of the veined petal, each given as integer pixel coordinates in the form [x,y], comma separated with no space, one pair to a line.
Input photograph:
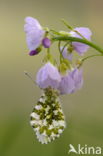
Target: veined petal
[77,76]
[34,33]
[48,76]
[66,54]
[66,85]
[33,22]
[34,39]
[86,33]
[71,82]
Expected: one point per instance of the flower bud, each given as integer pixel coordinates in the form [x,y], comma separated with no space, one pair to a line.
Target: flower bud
[46,42]
[33,52]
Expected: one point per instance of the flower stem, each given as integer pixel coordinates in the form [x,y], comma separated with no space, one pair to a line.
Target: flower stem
[90,56]
[66,24]
[72,29]
[86,58]
[64,46]
[61,56]
[75,39]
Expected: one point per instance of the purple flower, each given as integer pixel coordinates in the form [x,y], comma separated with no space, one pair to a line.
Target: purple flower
[48,76]
[66,85]
[71,82]
[66,54]
[46,42]
[33,52]
[86,33]
[77,76]
[34,33]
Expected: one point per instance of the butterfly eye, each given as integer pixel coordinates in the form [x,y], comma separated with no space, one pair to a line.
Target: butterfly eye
[47,118]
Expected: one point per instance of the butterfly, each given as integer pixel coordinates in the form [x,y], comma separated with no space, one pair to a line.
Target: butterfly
[47,118]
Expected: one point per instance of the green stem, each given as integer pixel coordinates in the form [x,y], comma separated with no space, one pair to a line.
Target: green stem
[64,46]
[48,51]
[72,29]
[66,24]
[75,39]
[85,58]
[61,56]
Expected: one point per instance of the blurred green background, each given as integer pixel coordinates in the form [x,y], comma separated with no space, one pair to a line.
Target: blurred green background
[18,95]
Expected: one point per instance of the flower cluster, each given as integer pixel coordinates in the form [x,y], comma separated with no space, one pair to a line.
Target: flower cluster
[49,76]
[55,79]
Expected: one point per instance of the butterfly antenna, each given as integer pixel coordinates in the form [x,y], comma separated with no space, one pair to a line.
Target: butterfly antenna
[29,76]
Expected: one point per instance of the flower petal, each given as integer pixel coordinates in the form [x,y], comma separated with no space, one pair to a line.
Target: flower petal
[34,33]
[48,76]
[77,76]
[85,32]
[71,82]
[66,54]
[66,85]
[33,22]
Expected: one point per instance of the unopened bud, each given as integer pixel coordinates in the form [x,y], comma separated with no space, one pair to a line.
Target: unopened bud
[46,42]
[33,52]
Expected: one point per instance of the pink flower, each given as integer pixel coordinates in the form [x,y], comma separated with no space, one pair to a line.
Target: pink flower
[86,33]
[66,54]
[48,76]
[34,33]
[71,82]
